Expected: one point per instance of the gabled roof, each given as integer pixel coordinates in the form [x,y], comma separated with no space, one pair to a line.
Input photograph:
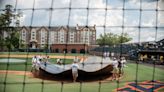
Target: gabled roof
[55,28]
[62,27]
[82,27]
[24,27]
[43,27]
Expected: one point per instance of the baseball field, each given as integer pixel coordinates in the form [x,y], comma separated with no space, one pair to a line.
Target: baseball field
[16,77]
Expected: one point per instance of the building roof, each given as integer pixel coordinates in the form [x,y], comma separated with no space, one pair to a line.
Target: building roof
[59,27]
[142,42]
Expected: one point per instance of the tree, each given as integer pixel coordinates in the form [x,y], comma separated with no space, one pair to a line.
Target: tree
[14,37]
[6,18]
[111,39]
[124,38]
[8,43]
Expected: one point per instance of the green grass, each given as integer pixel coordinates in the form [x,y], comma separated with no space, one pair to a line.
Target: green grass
[144,73]
[35,85]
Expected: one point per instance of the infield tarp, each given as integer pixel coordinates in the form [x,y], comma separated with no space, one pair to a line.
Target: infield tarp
[90,67]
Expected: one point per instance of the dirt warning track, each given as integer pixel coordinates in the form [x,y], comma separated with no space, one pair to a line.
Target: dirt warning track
[27,73]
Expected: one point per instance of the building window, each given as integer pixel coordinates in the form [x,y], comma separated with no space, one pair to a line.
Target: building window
[57,50]
[24,31]
[82,50]
[73,51]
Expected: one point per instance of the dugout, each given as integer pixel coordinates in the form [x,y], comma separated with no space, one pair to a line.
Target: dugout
[150,56]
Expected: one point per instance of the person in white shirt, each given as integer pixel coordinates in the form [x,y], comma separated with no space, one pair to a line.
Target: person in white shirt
[34,61]
[112,55]
[75,68]
[115,69]
[123,60]
[107,54]
[37,65]
[39,58]
[75,59]
[47,58]
[59,61]
[120,67]
[104,54]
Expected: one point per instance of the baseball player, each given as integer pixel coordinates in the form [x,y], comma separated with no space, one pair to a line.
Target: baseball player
[34,61]
[74,67]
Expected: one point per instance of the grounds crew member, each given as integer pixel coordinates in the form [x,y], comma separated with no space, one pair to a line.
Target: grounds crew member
[74,67]
[34,61]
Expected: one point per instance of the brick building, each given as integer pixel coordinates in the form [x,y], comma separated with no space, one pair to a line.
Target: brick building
[59,39]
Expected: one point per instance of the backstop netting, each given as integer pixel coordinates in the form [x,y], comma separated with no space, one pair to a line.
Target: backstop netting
[54,28]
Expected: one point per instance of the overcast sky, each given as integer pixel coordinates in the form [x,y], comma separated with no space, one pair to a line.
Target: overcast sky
[96,14]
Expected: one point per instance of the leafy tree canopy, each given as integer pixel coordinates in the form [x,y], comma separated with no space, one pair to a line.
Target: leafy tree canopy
[111,39]
[6,19]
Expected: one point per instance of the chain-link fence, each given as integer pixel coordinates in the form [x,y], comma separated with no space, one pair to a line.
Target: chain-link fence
[63,29]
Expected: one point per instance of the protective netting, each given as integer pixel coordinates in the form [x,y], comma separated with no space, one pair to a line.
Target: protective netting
[141,19]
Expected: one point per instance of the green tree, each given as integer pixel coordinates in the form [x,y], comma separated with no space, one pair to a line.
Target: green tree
[111,39]
[8,43]
[14,37]
[6,18]
[124,38]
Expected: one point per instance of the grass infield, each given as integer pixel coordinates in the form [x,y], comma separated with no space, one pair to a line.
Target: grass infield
[20,83]
[14,83]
